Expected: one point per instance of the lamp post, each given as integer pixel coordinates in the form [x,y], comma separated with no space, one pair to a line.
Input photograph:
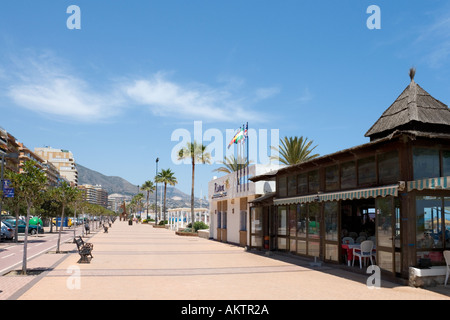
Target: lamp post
[156,194]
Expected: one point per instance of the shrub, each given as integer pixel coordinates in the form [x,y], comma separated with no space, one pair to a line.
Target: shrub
[200,225]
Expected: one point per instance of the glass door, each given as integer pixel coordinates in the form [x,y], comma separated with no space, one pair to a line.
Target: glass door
[388,234]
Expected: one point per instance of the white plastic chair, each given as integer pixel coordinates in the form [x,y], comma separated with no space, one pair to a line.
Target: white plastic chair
[360,239]
[348,240]
[363,253]
[447,261]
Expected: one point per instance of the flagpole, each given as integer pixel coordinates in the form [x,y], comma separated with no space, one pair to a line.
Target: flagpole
[248,162]
[237,171]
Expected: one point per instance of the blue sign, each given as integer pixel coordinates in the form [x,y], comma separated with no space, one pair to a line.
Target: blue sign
[8,192]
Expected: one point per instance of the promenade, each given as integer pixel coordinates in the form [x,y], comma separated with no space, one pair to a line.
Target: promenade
[139,262]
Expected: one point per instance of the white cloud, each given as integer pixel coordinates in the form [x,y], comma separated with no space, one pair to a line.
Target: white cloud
[306,96]
[434,39]
[46,85]
[167,98]
[265,93]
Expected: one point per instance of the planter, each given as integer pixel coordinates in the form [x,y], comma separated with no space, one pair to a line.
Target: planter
[188,234]
[162,227]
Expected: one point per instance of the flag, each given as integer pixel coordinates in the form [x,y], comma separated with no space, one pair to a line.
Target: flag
[237,137]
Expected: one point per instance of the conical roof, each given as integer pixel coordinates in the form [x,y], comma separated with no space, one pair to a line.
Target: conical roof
[415,109]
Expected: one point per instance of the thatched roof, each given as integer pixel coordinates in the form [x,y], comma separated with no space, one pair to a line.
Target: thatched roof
[415,109]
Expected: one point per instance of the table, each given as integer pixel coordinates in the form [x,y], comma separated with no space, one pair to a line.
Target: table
[348,250]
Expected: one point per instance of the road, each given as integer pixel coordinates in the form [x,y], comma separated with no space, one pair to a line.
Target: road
[11,254]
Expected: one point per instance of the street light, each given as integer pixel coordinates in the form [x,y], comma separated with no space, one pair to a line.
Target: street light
[156,194]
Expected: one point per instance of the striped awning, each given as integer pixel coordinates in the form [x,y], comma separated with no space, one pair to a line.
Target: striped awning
[384,191]
[432,183]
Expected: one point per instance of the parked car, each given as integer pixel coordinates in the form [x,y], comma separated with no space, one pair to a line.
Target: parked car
[7,231]
[21,226]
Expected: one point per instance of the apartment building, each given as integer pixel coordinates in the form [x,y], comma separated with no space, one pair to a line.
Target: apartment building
[25,154]
[63,160]
[9,145]
[94,194]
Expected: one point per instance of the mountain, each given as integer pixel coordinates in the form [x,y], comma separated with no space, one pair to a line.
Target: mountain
[113,184]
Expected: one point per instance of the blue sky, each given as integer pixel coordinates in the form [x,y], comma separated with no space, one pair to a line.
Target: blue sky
[115,91]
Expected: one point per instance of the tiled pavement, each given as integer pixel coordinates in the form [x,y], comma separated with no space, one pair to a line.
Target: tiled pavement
[140,262]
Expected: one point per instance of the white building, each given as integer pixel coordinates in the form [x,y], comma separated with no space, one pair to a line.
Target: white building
[229,203]
[63,160]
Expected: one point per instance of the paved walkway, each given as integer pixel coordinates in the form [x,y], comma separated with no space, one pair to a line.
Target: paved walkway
[141,262]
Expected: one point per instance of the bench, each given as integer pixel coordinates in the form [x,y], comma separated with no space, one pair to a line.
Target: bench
[85,250]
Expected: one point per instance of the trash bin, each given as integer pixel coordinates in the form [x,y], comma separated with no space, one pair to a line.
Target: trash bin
[130,222]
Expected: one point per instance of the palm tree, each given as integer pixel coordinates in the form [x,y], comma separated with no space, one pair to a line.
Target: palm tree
[166,176]
[136,202]
[232,164]
[294,150]
[149,187]
[197,153]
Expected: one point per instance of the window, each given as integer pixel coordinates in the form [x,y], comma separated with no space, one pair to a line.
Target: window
[282,217]
[428,222]
[293,220]
[302,183]
[385,214]
[219,219]
[282,186]
[282,228]
[301,223]
[367,171]
[348,175]
[425,163]
[331,220]
[446,163]
[243,220]
[256,225]
[388,167]
[313,181]
[432,227]
[332,178]
[313,221]
[292,185]
[224,221]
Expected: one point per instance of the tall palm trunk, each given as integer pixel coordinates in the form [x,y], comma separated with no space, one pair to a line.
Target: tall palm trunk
[164,207]
[192,193]
[148,194]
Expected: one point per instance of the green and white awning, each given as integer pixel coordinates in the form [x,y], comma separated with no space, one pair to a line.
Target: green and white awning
[429,184]
[391,190]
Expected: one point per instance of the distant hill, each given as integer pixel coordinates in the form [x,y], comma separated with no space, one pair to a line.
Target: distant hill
[113,184]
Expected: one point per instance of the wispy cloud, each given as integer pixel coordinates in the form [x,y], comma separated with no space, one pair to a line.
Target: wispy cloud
[46,85]
[43,85]
[165,97]
[434,38]
[306,96]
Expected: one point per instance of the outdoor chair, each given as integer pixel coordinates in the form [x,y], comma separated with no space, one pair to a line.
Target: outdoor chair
[360,239]
[363,253]
[447,261]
